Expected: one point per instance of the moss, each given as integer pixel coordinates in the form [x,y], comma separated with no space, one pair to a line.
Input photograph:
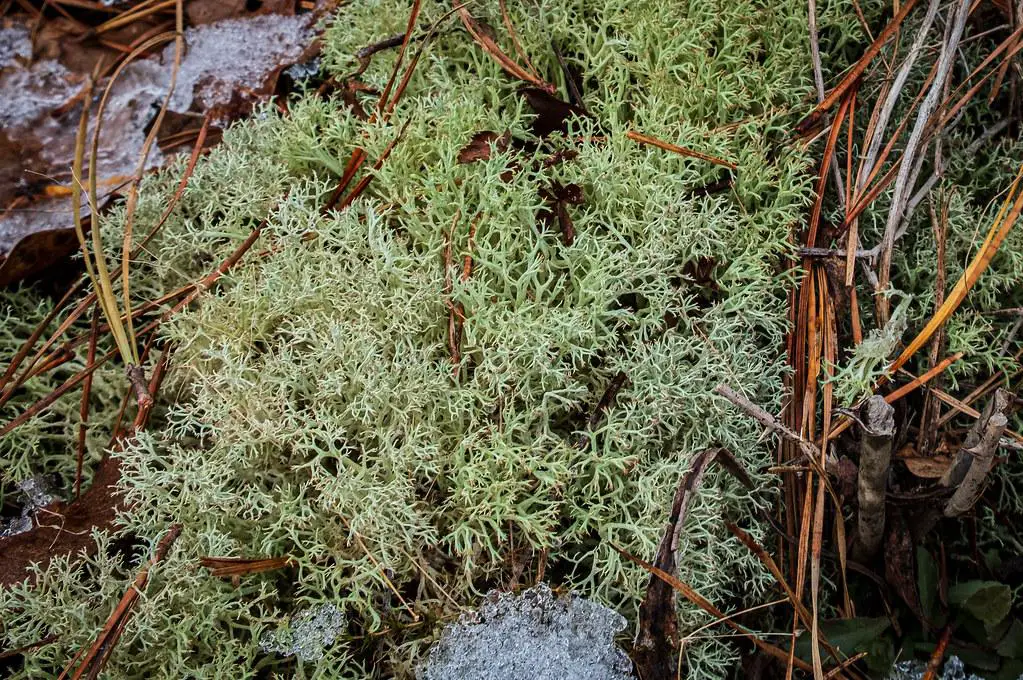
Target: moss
[312,409]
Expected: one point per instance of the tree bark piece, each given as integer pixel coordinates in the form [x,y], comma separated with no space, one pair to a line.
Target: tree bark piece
[877,424]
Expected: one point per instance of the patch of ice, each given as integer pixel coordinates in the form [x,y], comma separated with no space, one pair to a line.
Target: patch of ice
[26,94]
[307,634]
[234,54]
[35,494]
[914,670]
[535,635]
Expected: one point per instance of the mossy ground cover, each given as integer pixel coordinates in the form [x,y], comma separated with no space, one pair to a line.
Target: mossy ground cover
[317,406]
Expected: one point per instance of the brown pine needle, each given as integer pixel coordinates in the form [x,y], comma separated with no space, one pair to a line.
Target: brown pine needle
[687,592]
[490,47]
[241,566]
[680,150]
[101,649]
[854,73]
[905,389]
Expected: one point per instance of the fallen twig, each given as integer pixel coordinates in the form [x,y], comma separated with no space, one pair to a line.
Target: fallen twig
[877,425]
[680,150]
[968,472]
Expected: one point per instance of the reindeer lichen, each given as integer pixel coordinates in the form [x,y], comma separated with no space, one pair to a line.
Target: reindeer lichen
[313,408]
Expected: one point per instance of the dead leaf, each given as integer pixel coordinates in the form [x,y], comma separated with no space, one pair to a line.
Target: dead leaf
[900,562]
[552,114]
[38,125]
[558,196]
[933,467]
[482,145]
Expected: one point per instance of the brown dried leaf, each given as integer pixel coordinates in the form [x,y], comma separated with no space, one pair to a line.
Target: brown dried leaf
[482,145]
[552,114]
[657,642]
[900,562]
[43,94]
[932,467]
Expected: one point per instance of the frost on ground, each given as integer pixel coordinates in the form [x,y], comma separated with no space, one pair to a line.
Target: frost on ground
[535,635]
[914,670]
[35,494]
[15,44]
[223,63]
[307,634]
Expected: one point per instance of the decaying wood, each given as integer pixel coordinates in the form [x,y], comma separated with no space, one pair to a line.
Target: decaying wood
[968,473]
[877,425]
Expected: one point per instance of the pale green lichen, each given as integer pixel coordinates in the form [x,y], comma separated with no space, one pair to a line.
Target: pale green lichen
[311,409]
[870,359]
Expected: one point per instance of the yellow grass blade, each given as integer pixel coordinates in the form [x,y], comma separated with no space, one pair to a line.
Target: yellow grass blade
[996,235]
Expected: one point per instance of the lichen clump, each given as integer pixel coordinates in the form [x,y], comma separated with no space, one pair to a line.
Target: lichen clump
[314,407]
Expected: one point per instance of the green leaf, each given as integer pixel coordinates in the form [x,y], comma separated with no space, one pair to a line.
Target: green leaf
[1012,669]
[1011,644]
[850,636]
[988,601]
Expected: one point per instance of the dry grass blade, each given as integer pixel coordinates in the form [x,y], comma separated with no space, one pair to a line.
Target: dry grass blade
[98,272]
[89,299]
[854,73]
[133,190]
[680,150]
[687,592]
[99,653]
[924,379]
[1003,223]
